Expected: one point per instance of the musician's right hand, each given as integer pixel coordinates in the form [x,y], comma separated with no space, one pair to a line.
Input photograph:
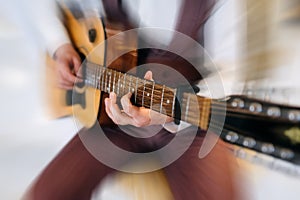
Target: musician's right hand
[67,64]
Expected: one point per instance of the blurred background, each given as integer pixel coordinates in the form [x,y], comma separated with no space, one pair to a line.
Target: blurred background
[28,139]
[259,44]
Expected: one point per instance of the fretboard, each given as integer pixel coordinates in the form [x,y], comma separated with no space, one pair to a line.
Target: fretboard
[146,93]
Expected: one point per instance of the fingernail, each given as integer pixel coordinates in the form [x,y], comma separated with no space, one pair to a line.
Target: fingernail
[112,95]
[106,101]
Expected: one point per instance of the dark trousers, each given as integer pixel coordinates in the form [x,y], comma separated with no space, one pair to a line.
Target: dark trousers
[75,172]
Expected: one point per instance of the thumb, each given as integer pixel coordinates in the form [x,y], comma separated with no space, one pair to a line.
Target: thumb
[76,64]
[148,76]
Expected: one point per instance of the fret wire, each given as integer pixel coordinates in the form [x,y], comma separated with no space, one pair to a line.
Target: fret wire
[97,84]
[97,77]
[119,83]
[93,77]
[162,97]
[107,80]
[102,81]
[136,88]
[124,83]
[144,82]
[105,83]
[153,84]
[173,106]
[130,83]
[187,106]
[109,84]
[114,83]
[88,77]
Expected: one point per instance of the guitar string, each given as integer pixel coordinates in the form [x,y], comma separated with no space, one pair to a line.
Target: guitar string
[141,81]
[168,96]
[156,97]
[127,87]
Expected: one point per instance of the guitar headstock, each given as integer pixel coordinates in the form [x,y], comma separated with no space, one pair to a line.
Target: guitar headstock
[256,107]
[266,127]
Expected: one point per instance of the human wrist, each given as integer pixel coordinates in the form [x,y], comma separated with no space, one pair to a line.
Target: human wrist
[63,50]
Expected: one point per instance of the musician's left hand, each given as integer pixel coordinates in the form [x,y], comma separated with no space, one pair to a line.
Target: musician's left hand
[130,114]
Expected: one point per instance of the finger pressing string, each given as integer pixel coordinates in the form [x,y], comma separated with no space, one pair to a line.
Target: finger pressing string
[126,104]
[148,76]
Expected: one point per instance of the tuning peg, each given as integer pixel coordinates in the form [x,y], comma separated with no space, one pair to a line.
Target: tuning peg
[232,136]
[286,154]
[294,115]
[238,103]
[274,111]
[249,142]
[267,148]
[255,107]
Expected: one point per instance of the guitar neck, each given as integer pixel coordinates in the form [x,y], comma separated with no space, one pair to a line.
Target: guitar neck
[266,127]
[160,98]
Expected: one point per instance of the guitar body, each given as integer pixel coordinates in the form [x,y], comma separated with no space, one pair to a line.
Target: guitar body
[88,36]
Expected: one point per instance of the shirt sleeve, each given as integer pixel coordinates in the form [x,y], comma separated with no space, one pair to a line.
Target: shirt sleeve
[46,25]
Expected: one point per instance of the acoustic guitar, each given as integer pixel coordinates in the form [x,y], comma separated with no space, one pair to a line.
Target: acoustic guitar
[269,128]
